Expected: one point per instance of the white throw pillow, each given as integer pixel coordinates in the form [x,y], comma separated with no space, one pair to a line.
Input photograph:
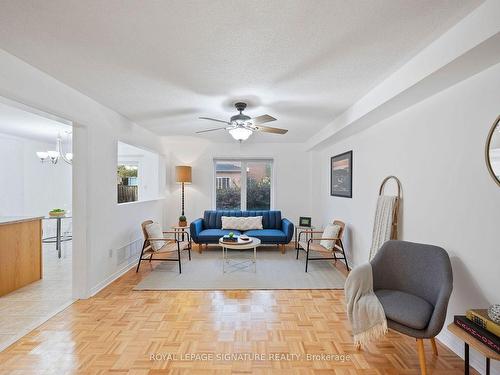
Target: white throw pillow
[154,231]
[241,223]
[331,231]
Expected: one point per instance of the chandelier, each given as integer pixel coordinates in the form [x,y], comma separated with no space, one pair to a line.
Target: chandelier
[55,155]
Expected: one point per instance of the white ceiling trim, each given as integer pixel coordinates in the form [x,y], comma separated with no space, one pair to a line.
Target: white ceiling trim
[469,47]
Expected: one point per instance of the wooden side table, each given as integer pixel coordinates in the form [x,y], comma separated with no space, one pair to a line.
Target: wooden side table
[298,229]
[180,231]
[476,344]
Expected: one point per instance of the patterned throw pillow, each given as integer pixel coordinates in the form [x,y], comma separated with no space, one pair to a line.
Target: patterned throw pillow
[331,231]
[154,231]
[241,223]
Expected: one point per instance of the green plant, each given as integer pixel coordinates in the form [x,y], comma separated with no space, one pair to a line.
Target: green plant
[231,234]
[182,218]
[57,210]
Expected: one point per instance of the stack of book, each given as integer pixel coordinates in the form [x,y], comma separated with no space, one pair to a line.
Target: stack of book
[478,324]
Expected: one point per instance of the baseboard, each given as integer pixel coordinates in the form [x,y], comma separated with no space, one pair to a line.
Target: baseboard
[108,280]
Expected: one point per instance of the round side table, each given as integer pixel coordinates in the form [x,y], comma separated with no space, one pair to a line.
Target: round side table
[254,243]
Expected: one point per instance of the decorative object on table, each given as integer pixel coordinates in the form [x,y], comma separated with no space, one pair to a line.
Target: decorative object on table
[341,175]
[241,126]
[230,238]
[244,237]
[57,212]
[182,221]
[58,153]
[385,226]
[482,318]
[304,221]
[494,314]
[486,337]
[492,151]
[330,245]
[183,176]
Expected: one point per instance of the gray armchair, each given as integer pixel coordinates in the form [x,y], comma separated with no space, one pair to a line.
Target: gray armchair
[413,283]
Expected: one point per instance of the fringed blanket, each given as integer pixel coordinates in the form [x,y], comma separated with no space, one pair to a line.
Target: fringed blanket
[364,310]
[382,225]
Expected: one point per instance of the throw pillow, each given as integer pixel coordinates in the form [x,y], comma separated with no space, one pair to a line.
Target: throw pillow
[241,223]
[154,231]
[331,231]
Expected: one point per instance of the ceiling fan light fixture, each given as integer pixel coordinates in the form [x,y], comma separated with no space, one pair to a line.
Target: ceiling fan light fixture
[240,134]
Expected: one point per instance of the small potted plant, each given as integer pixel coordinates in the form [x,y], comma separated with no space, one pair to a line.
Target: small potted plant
[182,221]
[57,212]
[232,238]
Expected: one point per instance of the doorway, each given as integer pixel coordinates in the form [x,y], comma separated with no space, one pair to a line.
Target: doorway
[36,178]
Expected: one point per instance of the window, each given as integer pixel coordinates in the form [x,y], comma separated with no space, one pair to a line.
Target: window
[223,182]
[243,184]
[128,182]
[138,174]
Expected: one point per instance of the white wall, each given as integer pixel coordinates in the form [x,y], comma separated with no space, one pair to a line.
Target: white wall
[27,186]
[106,236]
[291,168]
[436,148]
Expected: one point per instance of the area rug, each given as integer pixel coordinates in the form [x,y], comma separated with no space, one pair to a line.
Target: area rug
[273,271]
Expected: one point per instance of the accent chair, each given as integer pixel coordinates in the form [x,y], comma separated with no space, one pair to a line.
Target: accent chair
[171,248]
[413,282]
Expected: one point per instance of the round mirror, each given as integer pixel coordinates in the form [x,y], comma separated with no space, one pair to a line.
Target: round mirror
[493,151]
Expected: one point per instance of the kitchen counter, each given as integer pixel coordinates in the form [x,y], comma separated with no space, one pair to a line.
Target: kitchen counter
[17,219]
[20,251]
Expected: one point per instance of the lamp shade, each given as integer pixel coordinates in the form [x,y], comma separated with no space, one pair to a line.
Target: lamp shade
[183,173]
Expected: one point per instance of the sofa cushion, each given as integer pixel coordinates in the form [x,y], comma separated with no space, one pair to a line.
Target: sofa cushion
[154,231]
[212,219]
[241,223]
[267,235]
[331,231]
[406,309]
[213,235]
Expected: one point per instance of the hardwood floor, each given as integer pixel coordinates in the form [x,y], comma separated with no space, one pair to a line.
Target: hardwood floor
[122,331]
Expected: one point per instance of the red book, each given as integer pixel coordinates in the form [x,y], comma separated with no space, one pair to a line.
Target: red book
[484,336]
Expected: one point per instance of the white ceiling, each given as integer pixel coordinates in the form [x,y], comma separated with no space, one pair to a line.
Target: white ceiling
[20,123]
[165,63]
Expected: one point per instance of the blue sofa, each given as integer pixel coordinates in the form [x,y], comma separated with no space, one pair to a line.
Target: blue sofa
[208,229]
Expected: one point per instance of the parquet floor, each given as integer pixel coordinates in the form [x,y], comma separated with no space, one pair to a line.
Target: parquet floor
[121,331]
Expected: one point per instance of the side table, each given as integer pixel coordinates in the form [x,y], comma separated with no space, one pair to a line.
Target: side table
[298,229]
[476,344]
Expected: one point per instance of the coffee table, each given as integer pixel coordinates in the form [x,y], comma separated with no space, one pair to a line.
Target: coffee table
[254,243]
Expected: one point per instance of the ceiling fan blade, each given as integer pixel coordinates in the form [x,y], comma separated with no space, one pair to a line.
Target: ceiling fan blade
[209,130]
[268,129]
[262,119]
[213,119]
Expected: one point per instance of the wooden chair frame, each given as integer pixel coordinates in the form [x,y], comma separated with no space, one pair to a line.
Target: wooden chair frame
[338,245]
[147,247]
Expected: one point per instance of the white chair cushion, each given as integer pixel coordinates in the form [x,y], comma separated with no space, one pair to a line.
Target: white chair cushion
[241,223]
[154,231]
[331,231]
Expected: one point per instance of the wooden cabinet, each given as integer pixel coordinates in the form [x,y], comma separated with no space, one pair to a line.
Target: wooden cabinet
[20,252]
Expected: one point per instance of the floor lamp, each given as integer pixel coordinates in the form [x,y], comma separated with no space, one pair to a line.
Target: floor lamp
[183,176]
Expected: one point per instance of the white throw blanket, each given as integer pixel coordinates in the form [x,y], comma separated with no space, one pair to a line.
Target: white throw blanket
[382,225]
[364,310]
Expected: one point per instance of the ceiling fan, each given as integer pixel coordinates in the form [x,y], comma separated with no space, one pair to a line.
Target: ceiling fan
[242,126]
